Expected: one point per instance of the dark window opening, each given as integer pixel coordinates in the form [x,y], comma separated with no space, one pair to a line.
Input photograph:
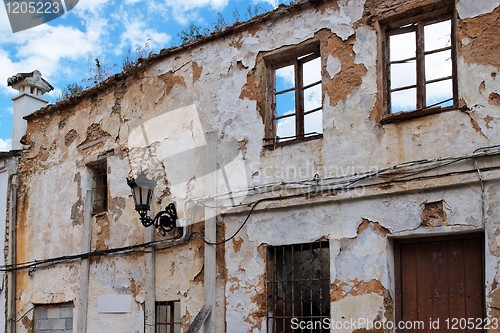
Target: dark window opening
[298,286]
[100,186]
[296,100]
[420,65]
[168,319]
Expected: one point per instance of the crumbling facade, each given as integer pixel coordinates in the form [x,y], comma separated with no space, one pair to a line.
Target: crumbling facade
[369,202]
[8,165]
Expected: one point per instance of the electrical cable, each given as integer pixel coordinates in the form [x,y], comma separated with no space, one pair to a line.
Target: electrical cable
[344,183]
[254,205]
[52,261]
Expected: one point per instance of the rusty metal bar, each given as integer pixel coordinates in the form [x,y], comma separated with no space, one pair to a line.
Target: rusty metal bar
[299,272]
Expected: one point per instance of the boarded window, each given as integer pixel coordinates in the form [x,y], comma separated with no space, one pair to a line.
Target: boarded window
[296,102]
[440,279]
[168,318]
[99,171]
[420,66]
[53,318]
[298,286]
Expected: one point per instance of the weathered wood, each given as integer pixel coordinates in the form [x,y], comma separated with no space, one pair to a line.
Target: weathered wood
[200,318]
[83,296]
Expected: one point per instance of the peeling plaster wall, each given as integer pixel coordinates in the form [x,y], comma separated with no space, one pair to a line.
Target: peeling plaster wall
[7,168]
[223,79]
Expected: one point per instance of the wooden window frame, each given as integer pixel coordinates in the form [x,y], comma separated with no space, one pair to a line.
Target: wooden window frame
[99,170]
[169,325]
[274,62]
[417,24]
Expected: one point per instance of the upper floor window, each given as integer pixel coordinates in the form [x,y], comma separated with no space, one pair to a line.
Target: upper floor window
[420,66]
[295,99]
[99,171]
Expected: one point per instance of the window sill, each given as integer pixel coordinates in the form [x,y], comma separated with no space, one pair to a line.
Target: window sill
[99,214]
[406,115]
[275,145]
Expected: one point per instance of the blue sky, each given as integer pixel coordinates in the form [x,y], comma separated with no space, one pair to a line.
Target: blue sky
[65,49]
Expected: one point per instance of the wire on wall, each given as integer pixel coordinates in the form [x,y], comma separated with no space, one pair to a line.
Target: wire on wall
[405,172]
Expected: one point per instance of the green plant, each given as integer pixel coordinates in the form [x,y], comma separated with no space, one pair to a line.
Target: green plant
[132,57]
[70,90]
[192,33]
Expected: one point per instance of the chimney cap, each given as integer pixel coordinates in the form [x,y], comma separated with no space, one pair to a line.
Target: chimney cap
[33,79]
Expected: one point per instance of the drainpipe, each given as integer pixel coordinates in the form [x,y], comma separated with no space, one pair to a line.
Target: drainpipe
[150,294]
[11,275]
[210,256]
[81,326]
[150,288]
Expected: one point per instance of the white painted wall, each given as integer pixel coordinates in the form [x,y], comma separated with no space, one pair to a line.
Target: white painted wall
[24,104]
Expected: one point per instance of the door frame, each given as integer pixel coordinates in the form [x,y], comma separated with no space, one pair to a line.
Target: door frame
[428,238]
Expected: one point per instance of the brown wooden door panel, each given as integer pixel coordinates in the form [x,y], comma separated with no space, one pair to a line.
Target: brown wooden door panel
[439,278]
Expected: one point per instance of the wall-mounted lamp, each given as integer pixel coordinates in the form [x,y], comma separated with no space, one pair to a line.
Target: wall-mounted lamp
[142,191]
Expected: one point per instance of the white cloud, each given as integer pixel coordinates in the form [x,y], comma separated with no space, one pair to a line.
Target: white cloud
[285,128]
[273,3]
[5,145]
[48,47]
[184,11]
[137,36]
[53,43]
[313,122]
[93,6]
[43,48]
[437,65]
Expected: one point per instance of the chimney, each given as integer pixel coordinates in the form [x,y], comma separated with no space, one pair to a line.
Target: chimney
[31,87]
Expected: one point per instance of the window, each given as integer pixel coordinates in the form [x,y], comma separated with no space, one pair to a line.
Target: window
[53,318]
[420,72]
[168,318]
[100,186]
[298,285]
[295,100]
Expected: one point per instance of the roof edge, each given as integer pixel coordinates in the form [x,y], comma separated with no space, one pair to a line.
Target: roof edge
[280,11]
[10,153]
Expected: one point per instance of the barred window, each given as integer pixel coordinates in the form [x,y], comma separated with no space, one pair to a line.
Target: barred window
[298,286]
[168,318]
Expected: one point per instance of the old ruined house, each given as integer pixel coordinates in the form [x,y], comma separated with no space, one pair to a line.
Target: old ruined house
[342,154]
[8,162]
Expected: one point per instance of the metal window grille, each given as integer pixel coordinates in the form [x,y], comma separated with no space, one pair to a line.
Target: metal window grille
[298,286]
[168,319]
[100,189]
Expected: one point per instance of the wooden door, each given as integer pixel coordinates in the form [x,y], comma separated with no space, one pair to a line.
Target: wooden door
[439,282]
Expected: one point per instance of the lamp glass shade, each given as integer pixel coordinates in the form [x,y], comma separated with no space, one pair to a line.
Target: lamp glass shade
[142,196]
